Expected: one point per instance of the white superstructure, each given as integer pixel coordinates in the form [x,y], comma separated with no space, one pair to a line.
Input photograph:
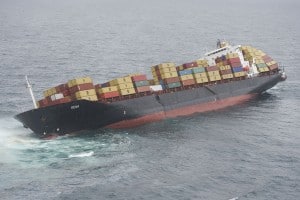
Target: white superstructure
[225,48]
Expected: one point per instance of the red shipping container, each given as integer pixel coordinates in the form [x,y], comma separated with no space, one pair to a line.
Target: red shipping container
[267,58]
[237,64]
[142,89]
[190,65]
[60,101]
[218,59]
[157,72]
[188,82]
[225,62]
[109,95]
[171,80]
[62,87]
[139,78]
[43,102]
[273,67]
[233,60]
[211,68]
[226,71]
[85,86]
[159,76]
[98,86]
[48,99]
[66,93]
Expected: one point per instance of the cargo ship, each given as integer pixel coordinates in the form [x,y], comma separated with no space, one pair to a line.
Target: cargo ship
[229,75]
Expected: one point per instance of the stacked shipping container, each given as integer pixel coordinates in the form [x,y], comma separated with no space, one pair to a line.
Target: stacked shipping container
[234,61]
[186,77]
[140,82]
[166,75]
[106,91]
[213,73]
[124,85]
[200,74]
[263,62]
[82,88]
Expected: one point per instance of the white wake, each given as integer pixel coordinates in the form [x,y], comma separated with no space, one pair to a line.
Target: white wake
[81,155]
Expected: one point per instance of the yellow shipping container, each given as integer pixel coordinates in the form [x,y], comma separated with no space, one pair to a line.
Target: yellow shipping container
[125,86]
[244,48]
[127,91]
[225,67]
[121,80]
[169,75]
[167,70]
[259,60]
[201,62]
[248,58]
[154,74]
[156,82]
[180,67]
[107,89]
[151,81]
[186,77]
[257,53]
[78,81]
[231,55]
[263,69]
[214,78]
[271,63]
[213,73]
[201,80]
[135,74]
[239,74]
[49,92]
[220,64]
[200,75]
[155,78]
[267,69]
[89,98]
[84,93]
[227,76]
[164,65]
[250,54]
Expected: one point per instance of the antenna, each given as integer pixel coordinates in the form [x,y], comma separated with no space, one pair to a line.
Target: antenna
[29,86]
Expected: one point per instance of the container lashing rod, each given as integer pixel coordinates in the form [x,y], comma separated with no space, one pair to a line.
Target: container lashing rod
[29,86]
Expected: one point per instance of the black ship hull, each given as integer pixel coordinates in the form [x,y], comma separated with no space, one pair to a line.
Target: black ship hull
[88,115]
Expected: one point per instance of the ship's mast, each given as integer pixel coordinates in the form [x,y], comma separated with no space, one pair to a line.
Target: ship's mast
[29,86]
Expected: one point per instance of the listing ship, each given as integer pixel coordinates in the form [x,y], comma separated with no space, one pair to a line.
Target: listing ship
[224,77]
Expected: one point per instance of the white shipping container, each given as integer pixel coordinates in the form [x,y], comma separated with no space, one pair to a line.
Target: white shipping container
[156,87]
[56,96]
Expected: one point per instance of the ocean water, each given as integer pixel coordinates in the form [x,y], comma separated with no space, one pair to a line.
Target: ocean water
[249,151]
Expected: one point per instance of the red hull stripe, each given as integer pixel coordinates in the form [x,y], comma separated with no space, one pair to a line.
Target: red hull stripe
[184,111]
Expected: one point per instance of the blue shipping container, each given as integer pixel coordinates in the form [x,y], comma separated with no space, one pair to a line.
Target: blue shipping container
[105,85]
[223,57]
[185,72]
[237,69]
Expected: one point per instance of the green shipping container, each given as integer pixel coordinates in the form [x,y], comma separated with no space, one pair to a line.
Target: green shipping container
[198,70]
[174,85]
[260,65]
[141,83]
